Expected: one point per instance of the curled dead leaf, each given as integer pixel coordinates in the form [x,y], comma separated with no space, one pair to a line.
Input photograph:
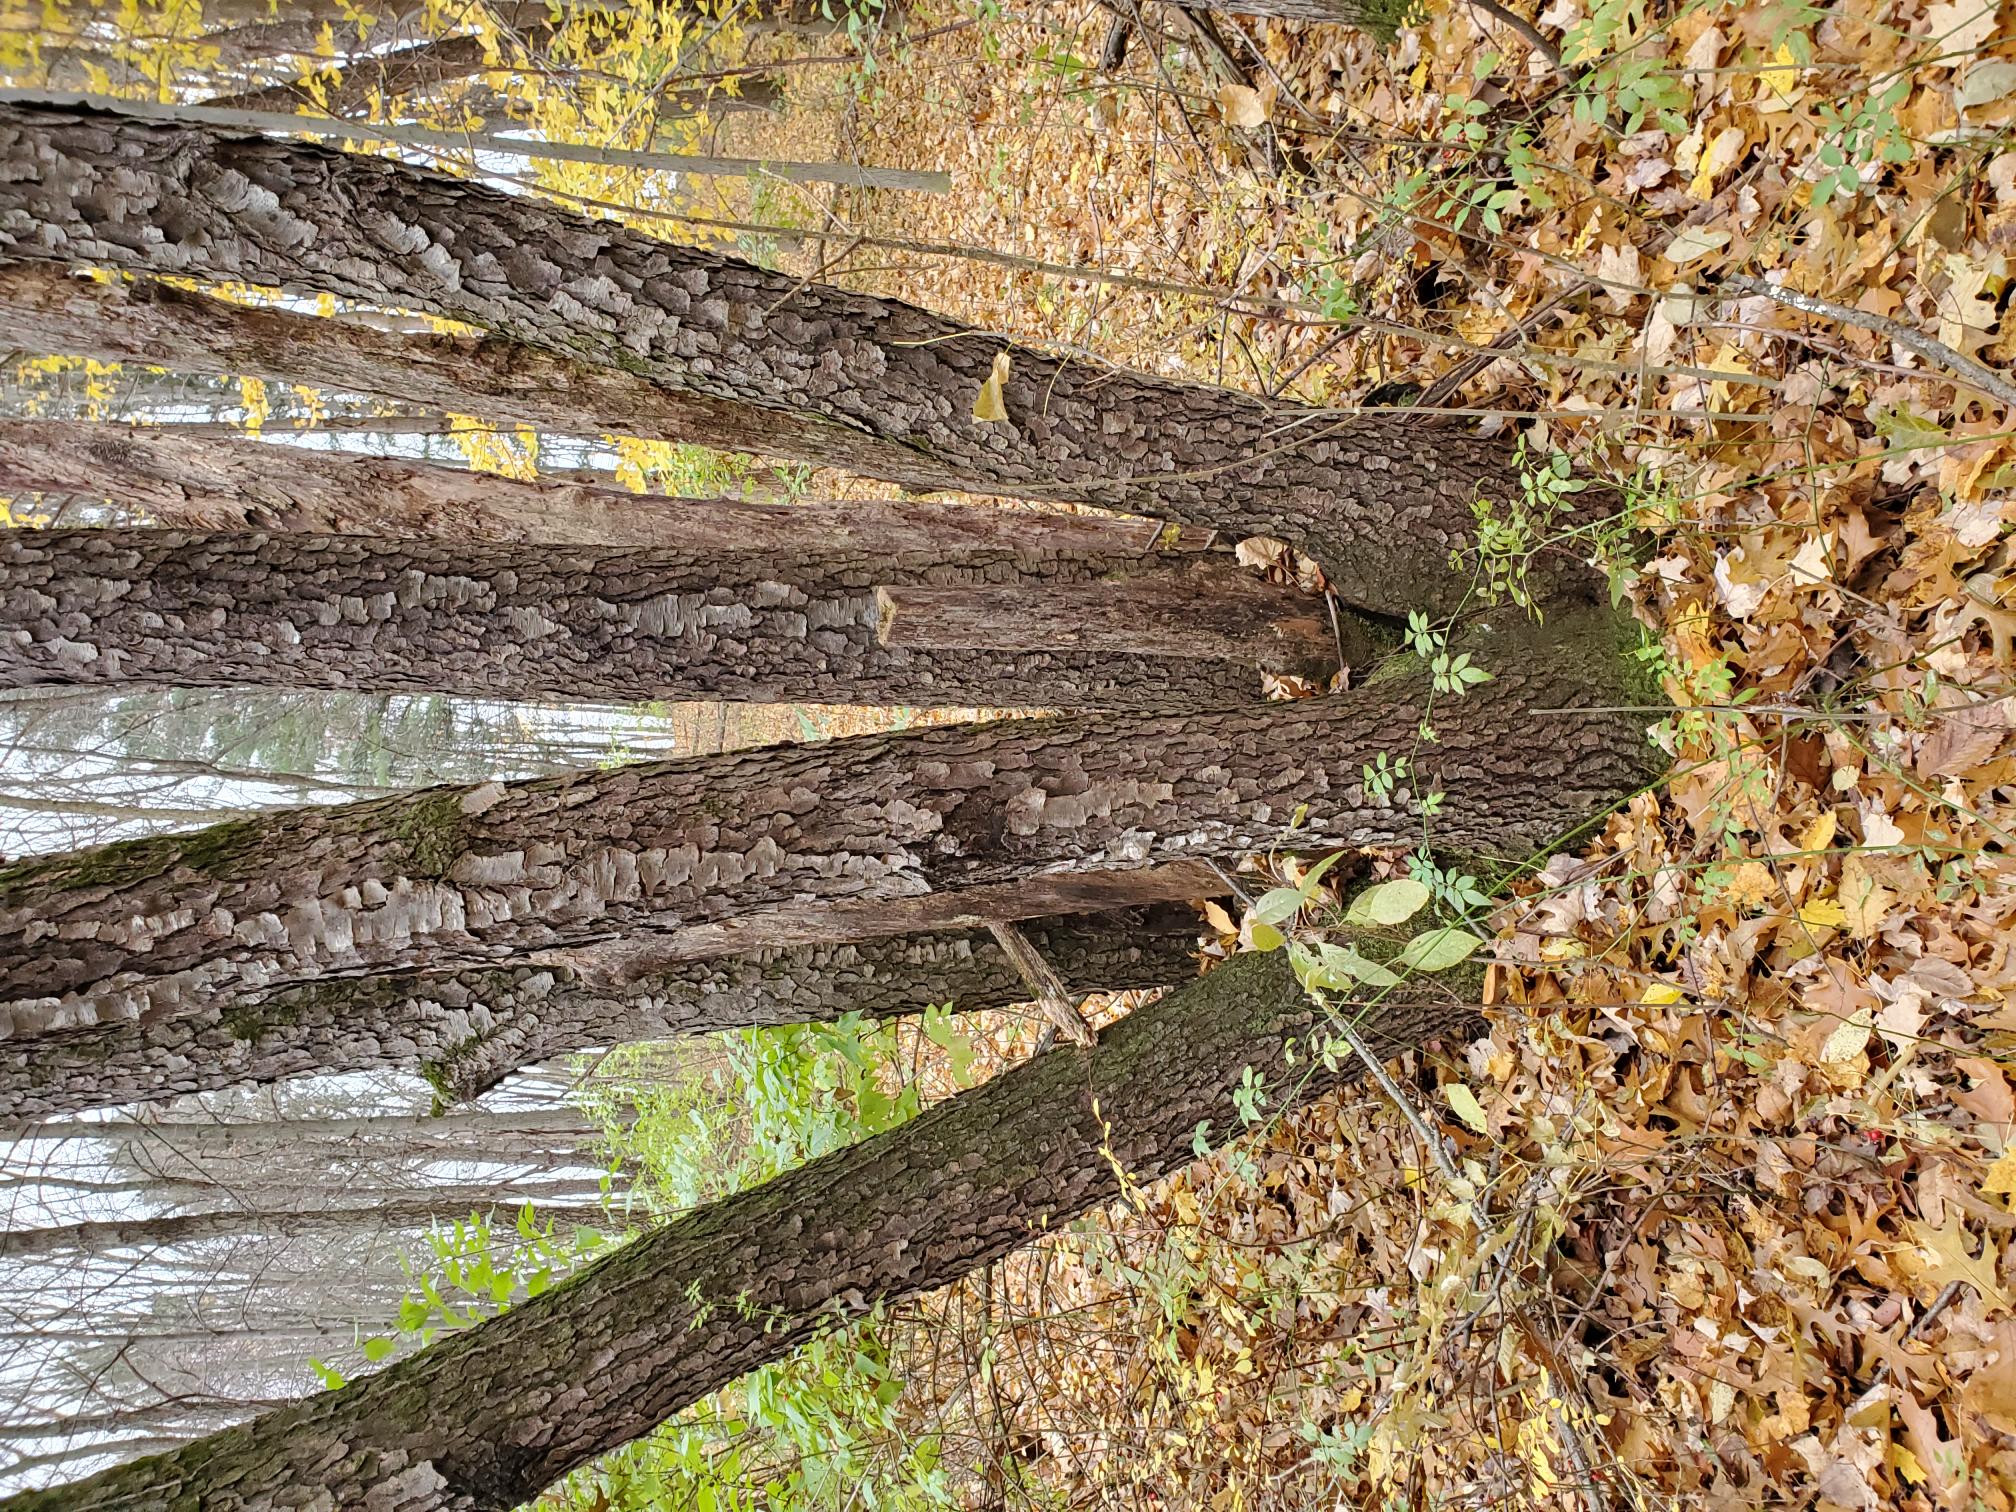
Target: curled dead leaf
[1242,107]
[990,405]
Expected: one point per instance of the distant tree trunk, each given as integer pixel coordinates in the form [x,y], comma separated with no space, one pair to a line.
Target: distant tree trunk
[488,1418]
[384,1135]
[466,1032]
[382,77]
[1381,18]
[752,92]
[180,609]
[331,1223]
[615,873]
[1380,500]
[208,483]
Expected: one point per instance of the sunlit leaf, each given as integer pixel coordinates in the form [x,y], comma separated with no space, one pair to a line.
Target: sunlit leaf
[1439,949]
[1388,903]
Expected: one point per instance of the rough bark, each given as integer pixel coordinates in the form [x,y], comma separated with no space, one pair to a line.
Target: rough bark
[1121,616]
[488,1418]
[180,609]
[467,1031]
[208,483]
[616,872]
[1380,500]
[336,1224]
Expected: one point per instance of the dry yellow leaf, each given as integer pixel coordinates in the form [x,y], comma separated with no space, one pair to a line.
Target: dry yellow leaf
[1716,159]
[1847,1041]
[1751,885]
[1242,107]
[990,405]
[1906,1464]
[1864,900]
[1779,82]
[2001,1176]
[1945,1254]
[1822,913]
[1820,832]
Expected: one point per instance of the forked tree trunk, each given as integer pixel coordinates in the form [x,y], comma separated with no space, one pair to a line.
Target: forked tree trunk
[467,1031]
[618,872]
[211,483]
[1381,500]
[179,609]
[488,1418]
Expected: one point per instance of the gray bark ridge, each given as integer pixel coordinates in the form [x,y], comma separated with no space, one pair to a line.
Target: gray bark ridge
[486,1419]
[171,608]
[1382,501]
[467,1031]
[618,872]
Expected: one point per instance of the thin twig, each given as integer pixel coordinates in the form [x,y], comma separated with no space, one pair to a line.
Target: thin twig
[1041,977]
[1939,1304]
[1528,32]
[1400,1100]
[1591,1494]
[1974,374]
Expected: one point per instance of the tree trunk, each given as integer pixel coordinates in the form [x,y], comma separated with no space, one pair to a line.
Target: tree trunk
[382,77]
[1380,500]
[753,92]
[847,175]
[488,1418]
[335,1224]
[170,608]
[466,1032]
[377,1135]
[1381,18]
[615,873]
[207,483]
[42,309]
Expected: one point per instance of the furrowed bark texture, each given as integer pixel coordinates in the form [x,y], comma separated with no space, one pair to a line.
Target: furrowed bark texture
[466,1032]
[487,1418]
[171,608]
[1380,500]
[616,872]
[206,483]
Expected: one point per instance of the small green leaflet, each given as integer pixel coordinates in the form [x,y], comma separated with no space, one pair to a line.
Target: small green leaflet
[1337,967]
[1277,905]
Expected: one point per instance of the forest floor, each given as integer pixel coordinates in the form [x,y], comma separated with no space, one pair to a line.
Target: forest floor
[1731,1214]
[1731,1220]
